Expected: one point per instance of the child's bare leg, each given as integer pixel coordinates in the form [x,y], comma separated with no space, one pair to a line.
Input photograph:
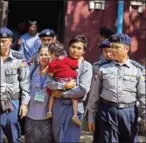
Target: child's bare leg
[51,102]
[75,111]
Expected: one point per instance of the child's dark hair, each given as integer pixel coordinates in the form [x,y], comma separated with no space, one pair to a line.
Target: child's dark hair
[79,38]
[57,48]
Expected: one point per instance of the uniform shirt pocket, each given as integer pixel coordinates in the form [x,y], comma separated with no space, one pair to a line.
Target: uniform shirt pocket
[108,80]
[130,83]
[11,75]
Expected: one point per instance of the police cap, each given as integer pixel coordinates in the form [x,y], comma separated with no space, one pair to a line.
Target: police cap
[47,33]
[5,33]
[120,38]
[105,44]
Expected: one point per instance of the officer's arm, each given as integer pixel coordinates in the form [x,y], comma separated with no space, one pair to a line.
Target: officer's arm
[141,94]
[94,95]
[24,82]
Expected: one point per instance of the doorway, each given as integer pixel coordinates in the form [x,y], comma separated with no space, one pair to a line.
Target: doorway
[49,14]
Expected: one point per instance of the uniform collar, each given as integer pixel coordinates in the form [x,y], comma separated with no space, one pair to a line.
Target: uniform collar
[127,63]
[10,55]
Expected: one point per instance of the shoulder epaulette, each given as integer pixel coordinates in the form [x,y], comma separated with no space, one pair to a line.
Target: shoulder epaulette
[104,62]
[17,54]
[96,63]
[138,65]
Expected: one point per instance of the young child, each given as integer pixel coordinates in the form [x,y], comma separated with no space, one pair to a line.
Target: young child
[62,68]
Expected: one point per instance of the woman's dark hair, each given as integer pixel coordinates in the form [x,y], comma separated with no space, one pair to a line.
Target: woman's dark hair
[57,48]
[79,38]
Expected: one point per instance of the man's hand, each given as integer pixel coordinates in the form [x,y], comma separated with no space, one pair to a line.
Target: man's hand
[57,93]
[23,111]
[91,127]
[19,41]
[71,84]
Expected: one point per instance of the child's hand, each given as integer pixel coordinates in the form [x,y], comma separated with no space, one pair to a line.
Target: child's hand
[51,74]
[71,84]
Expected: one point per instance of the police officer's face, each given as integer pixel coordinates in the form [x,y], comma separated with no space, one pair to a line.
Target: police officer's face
[5,45]
[47,40]
[44,57]
[33,29]
[107,53]
[76,50]
[119,51]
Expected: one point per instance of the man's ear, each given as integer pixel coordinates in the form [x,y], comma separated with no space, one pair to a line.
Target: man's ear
[127,48]
[10,39]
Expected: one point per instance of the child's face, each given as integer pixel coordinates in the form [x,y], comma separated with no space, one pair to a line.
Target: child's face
[52,56]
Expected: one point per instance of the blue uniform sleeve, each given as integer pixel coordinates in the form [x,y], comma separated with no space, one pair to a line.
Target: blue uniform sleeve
[141,94]
[24,82]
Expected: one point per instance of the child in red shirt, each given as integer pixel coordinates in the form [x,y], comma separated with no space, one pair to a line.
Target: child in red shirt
[62,68]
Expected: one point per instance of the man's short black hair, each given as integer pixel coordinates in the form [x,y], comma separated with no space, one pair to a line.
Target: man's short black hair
[79,38]
[32,22]
[105,32]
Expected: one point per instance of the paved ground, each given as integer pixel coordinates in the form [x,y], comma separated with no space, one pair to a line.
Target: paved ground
[87,137]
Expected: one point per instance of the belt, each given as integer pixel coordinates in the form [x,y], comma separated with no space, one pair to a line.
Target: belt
[118,105]
[15,96]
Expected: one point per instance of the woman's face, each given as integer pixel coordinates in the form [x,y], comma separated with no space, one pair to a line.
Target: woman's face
[44,57]
[76,50]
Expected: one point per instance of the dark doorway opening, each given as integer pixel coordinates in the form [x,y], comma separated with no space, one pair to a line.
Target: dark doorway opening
[49,14]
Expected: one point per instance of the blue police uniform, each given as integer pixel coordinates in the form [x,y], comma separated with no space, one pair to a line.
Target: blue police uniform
[119,87]
[92,104]
[17,74]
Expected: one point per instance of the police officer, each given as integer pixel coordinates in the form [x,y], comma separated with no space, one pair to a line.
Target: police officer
[47,36]
[93,119]
[120,85]
[17,74]
[104,33]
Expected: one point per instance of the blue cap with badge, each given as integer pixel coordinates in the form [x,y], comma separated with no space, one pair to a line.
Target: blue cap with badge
[5,33]
[105,44]
[120,38]
[47,33]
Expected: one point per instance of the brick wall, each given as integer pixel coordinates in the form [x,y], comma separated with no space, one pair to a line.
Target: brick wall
[80,20]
